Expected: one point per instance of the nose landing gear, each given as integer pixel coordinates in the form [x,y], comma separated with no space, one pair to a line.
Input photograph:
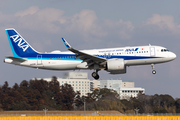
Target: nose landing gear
[154,71]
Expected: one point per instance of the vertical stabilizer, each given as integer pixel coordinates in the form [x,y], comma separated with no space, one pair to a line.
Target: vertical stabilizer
[19,45]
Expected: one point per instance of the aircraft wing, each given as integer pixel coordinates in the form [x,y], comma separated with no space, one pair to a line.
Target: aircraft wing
[84,56]
[16,59]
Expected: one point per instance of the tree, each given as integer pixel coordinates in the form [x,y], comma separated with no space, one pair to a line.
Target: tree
[167,100]
[21,106]
[68,95]
[5,87]
[24,83]
[137,104]
[15,87]
[40,85]
[54,85]
[101,93]
[78,100]
[177,104]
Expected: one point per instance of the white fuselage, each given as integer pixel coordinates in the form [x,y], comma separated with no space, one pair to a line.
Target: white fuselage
[139,55]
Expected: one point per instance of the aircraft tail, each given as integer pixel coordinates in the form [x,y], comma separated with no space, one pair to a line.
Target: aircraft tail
[19,46]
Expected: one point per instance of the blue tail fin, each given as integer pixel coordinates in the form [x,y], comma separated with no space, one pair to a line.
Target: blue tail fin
[19,46]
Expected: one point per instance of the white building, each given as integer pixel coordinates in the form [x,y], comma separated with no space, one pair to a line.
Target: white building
[78,80]
[111,84]
[124,89]
[94,84]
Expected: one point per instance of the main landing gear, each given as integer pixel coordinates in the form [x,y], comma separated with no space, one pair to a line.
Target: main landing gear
[95,75]
[153,71]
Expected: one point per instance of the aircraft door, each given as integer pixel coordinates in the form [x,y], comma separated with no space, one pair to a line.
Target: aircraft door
[104,55]
[109,55]
[39,59]
[152,51]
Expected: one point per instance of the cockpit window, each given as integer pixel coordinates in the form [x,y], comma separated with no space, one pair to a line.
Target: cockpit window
[164,50]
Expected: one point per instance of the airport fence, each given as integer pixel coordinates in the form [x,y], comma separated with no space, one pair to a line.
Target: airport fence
[94,114]
[90,118]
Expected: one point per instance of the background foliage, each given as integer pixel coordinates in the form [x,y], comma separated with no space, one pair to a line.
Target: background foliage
[40,94]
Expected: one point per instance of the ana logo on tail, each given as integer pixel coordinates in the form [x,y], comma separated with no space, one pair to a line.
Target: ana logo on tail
[21,43]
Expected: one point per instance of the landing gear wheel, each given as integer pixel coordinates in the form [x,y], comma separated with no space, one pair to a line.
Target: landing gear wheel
[95,75]
[153,72]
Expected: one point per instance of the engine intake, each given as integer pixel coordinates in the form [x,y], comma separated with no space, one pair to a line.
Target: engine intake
[116,64]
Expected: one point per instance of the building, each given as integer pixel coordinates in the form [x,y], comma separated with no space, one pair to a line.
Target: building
[78,80]
[111,84]
[94,84]
[124,89]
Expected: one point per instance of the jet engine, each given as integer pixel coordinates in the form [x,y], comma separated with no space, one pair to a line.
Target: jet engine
[116,66]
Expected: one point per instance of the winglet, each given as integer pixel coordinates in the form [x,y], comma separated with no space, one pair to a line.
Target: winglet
[66,43]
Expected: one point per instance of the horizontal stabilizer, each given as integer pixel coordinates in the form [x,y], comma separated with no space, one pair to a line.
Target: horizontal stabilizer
[17,59]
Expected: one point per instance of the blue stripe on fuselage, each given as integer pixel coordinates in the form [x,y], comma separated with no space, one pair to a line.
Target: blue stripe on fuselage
[132,57]
[72,57]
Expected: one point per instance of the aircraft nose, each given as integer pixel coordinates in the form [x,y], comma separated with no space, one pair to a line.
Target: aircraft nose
[173,55]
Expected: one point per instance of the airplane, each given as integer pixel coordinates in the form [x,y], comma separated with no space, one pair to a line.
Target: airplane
[112,60]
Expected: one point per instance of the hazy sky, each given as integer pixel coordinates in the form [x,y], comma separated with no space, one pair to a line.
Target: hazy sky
[91,24]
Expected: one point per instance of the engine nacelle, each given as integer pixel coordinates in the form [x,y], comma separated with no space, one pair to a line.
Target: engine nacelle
[115,65]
